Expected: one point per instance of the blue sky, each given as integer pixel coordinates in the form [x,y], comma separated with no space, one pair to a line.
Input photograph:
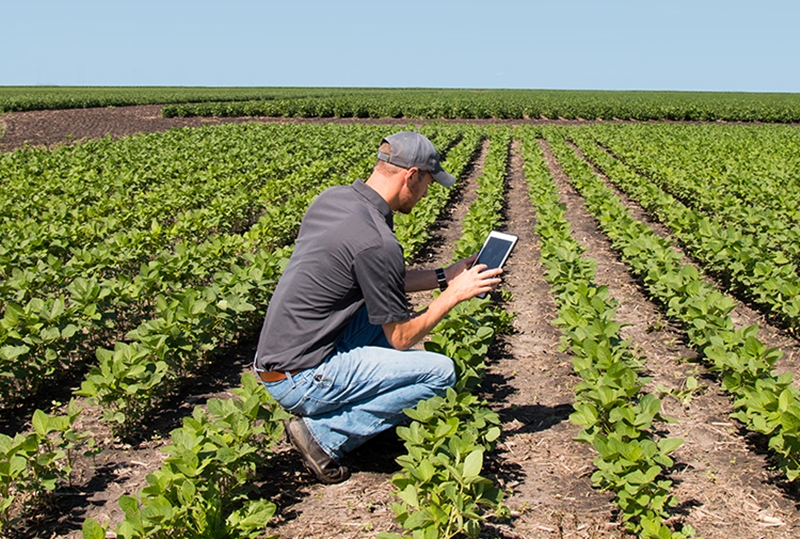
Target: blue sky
[569,44]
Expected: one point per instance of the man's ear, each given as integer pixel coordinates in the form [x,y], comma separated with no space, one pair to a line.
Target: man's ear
[410,174]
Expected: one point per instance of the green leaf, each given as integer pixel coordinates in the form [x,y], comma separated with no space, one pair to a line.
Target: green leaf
[426,470]
[493,434]
[473,464]
[132,513]
[40,423]
[256,515]
[785,399]
[92,529]
[668,445]
[409,495]
[419,519]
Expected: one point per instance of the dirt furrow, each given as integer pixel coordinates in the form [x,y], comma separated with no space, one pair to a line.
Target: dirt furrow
[723,483]
[530,384]
[742,315]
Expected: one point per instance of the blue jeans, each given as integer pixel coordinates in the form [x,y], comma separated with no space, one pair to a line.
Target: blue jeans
[362,388]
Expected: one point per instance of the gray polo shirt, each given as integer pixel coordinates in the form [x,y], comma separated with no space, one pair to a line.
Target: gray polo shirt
[346,256]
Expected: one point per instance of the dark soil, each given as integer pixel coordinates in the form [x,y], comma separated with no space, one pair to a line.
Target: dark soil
[722,476]
[49,128]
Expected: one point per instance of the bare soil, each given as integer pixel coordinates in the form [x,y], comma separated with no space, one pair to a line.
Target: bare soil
[722,479]
[722,475]
[50,128]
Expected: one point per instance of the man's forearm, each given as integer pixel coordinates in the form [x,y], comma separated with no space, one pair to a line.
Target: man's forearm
[464,282]
[417,280]
[405,334]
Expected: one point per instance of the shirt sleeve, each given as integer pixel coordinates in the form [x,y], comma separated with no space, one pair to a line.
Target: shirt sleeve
[380,272]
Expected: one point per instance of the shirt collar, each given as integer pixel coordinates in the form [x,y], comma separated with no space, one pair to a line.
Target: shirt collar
[377,200]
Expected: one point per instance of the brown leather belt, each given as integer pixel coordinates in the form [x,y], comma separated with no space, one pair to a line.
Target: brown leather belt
[275,376]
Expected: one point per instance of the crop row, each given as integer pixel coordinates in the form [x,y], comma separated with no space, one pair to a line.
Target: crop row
[745,178]
[22,98]
[615,415]
[206,486]
[719,169]
[763,401]
[33,464]
[434,103]
[756,267]
[45,325]
[504,104]
[441,491]
[129,379]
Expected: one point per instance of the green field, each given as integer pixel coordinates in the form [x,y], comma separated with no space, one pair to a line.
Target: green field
[131,264]
[419,103]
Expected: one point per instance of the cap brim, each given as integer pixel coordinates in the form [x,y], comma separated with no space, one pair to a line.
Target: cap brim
[443,178]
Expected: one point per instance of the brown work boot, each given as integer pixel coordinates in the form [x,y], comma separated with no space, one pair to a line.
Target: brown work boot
[316,460]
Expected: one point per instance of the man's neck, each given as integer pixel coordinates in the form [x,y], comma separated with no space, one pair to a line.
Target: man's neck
[387,187]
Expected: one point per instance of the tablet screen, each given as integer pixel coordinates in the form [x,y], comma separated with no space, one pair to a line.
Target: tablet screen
[494,252]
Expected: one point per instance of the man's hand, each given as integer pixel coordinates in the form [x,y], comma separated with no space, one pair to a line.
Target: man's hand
[468,283]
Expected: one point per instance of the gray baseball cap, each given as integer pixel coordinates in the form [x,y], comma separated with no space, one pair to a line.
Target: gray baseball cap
[410,149]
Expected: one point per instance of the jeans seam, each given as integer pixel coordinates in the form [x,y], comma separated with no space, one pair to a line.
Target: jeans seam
[315,436]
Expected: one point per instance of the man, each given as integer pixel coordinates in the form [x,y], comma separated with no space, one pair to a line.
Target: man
[334,348]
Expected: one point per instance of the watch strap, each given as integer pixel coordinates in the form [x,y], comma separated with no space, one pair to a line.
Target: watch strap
[441,278]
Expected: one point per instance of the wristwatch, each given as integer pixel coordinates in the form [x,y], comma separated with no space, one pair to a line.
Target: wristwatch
[441,278]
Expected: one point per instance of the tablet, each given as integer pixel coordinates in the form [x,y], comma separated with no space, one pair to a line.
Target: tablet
[495,250]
